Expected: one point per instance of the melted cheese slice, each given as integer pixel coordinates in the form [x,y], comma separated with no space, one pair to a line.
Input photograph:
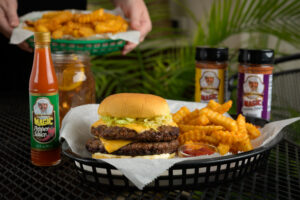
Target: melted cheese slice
[98,123]
[113,145]
[137,127]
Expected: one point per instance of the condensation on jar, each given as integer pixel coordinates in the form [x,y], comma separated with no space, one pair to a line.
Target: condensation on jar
[211,74]
[255,82]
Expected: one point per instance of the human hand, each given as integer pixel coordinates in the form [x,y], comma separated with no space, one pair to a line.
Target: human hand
[9,20]
[8,16]
[137,12]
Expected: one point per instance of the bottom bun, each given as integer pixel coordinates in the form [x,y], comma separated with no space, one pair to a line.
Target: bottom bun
[160,156]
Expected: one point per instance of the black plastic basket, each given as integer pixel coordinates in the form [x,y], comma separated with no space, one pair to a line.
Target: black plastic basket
[186,174]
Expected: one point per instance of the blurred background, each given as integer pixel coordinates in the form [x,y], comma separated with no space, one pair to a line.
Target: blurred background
[164,63]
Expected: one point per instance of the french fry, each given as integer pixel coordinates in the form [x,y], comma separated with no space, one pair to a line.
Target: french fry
[57,20]
[62,17]
[41,28]
[209,126]
[242,131]
[220,108]
[180,114]
[196,136]
[201,120]
[206,129]
[192,135]
[253,132]
[225,137]
[210,140]
[223,148]
[57,34]
[191,116]
[213,105]
[61,23]
[96,15]
[220,120]
[85,31]
[244,143]
[111,25]
[224,107]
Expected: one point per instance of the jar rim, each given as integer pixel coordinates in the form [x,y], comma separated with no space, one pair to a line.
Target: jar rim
[70,57]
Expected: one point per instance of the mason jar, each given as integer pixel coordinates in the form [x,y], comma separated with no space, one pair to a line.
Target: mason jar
[76,83]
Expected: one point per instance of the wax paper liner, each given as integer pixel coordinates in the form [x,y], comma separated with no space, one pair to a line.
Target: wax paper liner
[76,131]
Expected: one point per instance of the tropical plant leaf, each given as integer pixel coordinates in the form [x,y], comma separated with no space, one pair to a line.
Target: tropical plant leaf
[279,18]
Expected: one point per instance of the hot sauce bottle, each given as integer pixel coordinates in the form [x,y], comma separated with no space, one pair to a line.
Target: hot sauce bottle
[211,74]
[255,82]
[44,105]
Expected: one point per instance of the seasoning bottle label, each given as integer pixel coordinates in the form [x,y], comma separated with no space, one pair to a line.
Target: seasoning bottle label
[254,95]
[44,121]
[210,85]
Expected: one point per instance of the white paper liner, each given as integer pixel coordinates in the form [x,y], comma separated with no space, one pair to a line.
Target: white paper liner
[76,131]
[20,34]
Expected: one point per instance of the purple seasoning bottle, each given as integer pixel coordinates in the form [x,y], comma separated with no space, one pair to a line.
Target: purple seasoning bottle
[255,82]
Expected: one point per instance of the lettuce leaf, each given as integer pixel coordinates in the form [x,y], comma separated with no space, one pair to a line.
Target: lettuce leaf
[153,122]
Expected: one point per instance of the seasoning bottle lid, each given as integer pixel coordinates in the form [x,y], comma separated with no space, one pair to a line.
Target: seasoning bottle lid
[42,37]
[211,54]
[256,56]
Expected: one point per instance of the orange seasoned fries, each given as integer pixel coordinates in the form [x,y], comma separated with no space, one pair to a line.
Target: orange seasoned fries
[208,125]
[61,23]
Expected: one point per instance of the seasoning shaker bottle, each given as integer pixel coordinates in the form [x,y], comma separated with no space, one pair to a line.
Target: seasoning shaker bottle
[211,74]
[255,82]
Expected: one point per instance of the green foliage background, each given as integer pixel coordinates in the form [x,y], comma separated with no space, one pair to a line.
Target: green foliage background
[169,71]
[153,68]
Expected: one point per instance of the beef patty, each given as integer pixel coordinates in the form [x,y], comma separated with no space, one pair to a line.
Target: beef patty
[163,133]
[135,149]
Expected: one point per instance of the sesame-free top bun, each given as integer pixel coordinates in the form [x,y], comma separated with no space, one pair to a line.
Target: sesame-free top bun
[133,105]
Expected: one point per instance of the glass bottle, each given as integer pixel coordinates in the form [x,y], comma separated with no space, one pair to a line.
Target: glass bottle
[44,105]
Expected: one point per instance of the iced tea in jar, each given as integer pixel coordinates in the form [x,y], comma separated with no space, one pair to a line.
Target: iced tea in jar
[75,80]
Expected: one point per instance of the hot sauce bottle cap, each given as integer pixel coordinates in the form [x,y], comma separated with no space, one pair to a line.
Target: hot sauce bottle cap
[256,56]
[212,54]
[42,37]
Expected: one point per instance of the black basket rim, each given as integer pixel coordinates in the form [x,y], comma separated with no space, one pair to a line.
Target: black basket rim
[217,160]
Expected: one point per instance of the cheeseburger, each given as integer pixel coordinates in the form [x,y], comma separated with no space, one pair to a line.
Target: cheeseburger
[133,125]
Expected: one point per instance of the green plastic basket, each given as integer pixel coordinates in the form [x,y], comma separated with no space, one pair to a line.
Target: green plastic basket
[94,47]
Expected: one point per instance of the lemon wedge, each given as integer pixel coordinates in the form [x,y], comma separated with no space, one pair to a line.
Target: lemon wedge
[72,78]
